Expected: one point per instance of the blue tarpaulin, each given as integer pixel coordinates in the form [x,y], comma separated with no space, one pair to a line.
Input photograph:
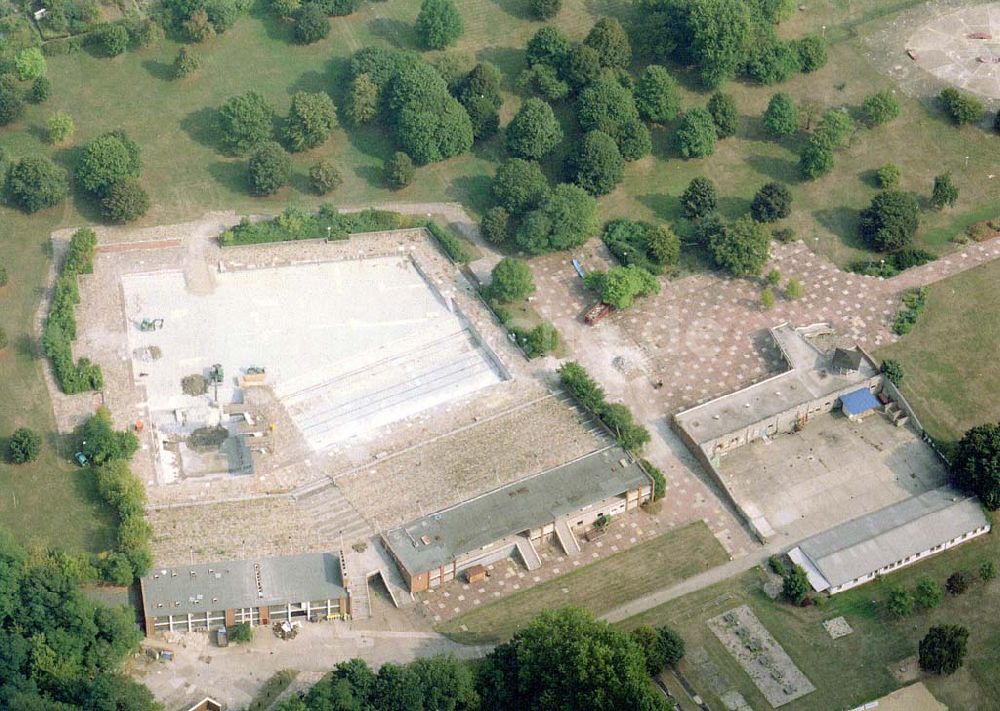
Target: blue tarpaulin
[859,401]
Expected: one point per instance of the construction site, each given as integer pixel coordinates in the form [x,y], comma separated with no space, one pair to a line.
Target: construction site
[304,397]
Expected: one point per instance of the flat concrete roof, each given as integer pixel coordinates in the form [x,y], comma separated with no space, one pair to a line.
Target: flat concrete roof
[232,584]
[514,508]
[856,548]
[811,375]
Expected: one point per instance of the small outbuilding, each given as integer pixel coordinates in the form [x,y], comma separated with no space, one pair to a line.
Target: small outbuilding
[859,403]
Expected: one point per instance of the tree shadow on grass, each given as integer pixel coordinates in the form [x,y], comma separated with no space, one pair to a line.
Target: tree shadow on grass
[472,191]
[276,28]
[371,174]
[516,8]
[395,32]
[27,347]
[779,169]
[509,60]
[200,127]
[159,70]
[843,222]
[313,82]
[621,10]
[232,174]
[665,207]
[371,140]
[732,207]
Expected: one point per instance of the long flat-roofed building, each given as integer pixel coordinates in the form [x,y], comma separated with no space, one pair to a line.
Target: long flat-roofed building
[434,549]
[813,384]
[259,592]
[855,552]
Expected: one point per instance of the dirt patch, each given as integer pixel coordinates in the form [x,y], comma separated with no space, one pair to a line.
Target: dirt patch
[984,230]
[206,439]
[760,655]
[194,385]
[906,670]
[837,627]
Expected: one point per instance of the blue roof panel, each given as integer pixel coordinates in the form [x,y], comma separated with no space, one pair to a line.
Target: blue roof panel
[859,401]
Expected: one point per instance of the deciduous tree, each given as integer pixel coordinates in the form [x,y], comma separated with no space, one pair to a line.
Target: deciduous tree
[439,24]
[269,169]
[943,648]
[976,464]
[35,182]
[534,130]
[657,95]
[890,222]
[781,118]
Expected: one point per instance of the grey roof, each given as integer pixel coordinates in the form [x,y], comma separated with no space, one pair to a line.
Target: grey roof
[811,375]
[866,544]
[232,584]
[513,508]
[844,359]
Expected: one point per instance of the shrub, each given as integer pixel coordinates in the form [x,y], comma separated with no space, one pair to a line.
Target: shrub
[102,443]
[785,235]
[548,46]
[511,280]
[795,585]
[108,159]
[495,225]
[324,177]
[111,39]
[455,247]
[35,182]
[519,185]
[41,89]
[534,130]
[943,648]
[928,593]
[310,24]
[699,198]
[975,466]
[812,52]
[540,340]
[890,222]
[988,571]
[566,218]
[776,565]
[742,247]
[696,134]
[892,370]
[944,194]
[269,169]
[3,276]
[834,128]
[659,481]
[245,121]
[772,202]
[544,9]
[887,176]
[773,61]
[399,171]
[621,286]
[438,24]
[240,633]
[543,80]
[657,95]
[724,113]
[582,66]
[30,64]
[880,108]
[767,298]
[781,118]
[598,167]
[958,582]
[900,602]
[608,39]
[961,108]
[816,159]
[650,247]
[996,122]
[311,119]
[11,100]
[125,201]
[186,63]
[25,445]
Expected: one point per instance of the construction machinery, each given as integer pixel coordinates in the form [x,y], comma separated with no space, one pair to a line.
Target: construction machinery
[286,630]
[596,312]
[151,324]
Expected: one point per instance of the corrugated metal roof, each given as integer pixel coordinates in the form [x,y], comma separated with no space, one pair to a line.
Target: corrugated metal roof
[866,544]
[178,590]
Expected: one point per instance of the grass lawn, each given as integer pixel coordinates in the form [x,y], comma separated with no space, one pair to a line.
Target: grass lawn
[854,669]
[952,375]
[598,587]
[186,174]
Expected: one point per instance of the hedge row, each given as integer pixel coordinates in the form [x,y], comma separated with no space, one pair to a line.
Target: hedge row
[60,327]
[615,416]
[328,223]
[123,492]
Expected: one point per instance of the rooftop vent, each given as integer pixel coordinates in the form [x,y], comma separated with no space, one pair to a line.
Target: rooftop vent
[425,540]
